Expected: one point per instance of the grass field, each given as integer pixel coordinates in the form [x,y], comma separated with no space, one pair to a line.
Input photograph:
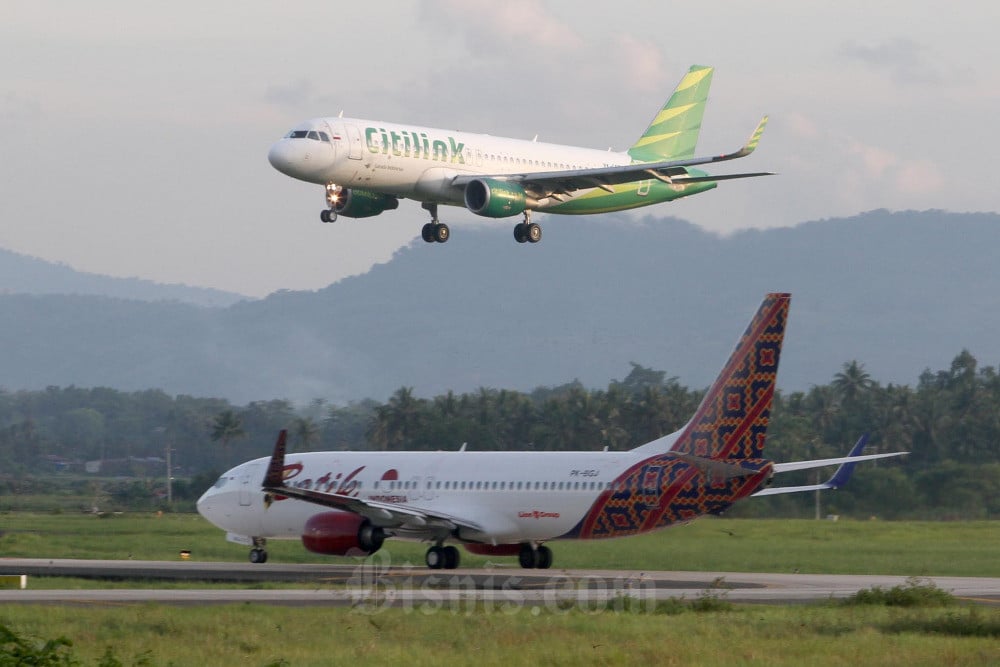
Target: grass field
[821,634]
[254,635]
[709,544]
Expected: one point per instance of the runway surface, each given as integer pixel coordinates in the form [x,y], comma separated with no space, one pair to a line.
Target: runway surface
[369,586]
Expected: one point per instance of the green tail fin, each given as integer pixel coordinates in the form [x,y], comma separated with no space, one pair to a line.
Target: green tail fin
[673,133]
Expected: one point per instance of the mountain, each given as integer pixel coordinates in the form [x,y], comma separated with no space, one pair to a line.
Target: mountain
[21,274]
[899,292]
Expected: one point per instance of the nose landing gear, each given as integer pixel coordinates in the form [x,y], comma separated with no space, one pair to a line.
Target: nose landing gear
[258,554]
[329,214]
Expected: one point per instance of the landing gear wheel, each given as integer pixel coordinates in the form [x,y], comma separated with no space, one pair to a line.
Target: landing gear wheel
[435,558]
[451,557]
[533,232]
[258,555]
[543,558]
[427,233]
[441,232]
[527,557]
[520,235]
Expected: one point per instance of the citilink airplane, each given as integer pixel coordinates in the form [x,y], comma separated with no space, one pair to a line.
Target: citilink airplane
[512,503]
[366,166]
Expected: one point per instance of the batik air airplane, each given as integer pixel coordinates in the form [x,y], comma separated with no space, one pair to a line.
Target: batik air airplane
[512,503]
[366,166]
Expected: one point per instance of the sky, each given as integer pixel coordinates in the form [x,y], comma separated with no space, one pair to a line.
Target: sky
[134,135]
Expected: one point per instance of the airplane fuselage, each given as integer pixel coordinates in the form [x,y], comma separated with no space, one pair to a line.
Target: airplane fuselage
[502,497]
[422,163]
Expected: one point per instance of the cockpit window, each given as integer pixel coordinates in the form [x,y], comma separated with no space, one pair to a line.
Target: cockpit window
[308,134]
[219,483]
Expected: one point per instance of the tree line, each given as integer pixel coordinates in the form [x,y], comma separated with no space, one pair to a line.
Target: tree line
[949,421]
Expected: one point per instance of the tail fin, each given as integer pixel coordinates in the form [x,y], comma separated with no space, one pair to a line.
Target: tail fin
[673,133]
[731,422]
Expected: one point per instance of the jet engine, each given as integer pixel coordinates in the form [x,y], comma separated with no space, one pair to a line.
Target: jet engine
[342,534]
[495,199]
[363,203]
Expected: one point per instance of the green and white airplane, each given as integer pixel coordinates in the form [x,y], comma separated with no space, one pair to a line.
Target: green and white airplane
[366,166]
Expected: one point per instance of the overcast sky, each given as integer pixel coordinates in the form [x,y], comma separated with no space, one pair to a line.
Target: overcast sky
[134,135]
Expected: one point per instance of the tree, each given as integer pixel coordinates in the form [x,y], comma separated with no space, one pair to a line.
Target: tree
[226,427]
[305,431]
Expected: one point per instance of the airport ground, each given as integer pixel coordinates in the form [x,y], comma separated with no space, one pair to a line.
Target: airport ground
[693,598]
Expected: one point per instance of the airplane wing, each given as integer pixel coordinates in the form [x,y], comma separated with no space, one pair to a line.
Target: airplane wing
[560,183]
[381,514]
[839,478]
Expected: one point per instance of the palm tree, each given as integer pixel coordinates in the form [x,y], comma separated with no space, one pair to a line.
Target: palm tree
[305,431]
[852,382]
[226,427]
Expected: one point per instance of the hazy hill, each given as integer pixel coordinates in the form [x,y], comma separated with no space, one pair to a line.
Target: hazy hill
[21,274]
[899,292]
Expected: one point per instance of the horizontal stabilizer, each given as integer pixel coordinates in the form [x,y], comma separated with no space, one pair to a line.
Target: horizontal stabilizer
[839,478]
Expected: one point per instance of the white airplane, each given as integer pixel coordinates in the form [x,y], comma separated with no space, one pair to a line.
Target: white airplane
[366,166]
[512,503]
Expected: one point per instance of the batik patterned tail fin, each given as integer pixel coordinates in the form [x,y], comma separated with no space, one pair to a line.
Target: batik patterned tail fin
[673,133]
[731,422]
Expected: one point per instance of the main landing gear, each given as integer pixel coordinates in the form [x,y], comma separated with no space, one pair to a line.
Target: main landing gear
[527,231]
[531,557]
[434,231]
[329,214]
[258,554]
[439,557]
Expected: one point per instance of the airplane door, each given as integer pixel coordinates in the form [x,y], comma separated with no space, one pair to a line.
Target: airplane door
[248,484]
[354,136]
[643,189]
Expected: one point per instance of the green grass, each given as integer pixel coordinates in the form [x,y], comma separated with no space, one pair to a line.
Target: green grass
[914,548]
[258,635]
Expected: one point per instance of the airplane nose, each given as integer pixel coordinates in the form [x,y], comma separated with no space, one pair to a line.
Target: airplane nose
[281,156]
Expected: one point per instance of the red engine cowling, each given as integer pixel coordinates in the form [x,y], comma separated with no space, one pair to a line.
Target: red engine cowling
[490,550]
[341,534]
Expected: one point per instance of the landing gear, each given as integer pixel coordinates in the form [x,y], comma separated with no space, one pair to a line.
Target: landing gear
[434,231]
[258,554]
[329,214]
[531,557]
[439,557]
[527,231]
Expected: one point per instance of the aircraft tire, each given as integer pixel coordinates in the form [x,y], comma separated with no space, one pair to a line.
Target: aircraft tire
[435,558]
[324,215]
[533,232]
[258,555]
[451,557]
[527,557]
[544,558]
[441,232]
[519,233]
[427,233]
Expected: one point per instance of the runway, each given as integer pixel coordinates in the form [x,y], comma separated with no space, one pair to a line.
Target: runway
[370,587]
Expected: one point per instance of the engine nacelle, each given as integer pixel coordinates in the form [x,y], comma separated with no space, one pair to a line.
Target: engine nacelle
[495,199]
[342,534]
[363,203]
[493,550]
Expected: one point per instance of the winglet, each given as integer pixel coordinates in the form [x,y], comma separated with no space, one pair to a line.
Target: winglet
[275,479]
[845,470]
[754,139]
